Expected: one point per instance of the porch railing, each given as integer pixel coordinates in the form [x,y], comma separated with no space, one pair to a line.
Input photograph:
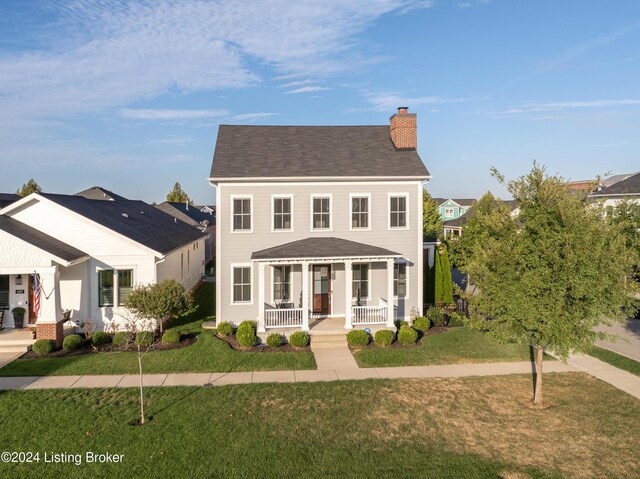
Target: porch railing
[283,318]
[369,314]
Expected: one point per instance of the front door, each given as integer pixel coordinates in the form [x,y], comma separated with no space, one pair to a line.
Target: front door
[322,289]
[32,313]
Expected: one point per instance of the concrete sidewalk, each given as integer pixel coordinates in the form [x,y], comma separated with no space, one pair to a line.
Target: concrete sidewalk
[628,342]
[623,380]
[256,377]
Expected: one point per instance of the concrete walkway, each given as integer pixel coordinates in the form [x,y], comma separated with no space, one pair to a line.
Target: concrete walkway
[628,342]
[223,379]
[332,353]
[627,382]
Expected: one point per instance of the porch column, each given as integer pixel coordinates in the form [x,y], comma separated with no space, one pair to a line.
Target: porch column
[260,285]
[390,318]
[348,279]
[305,296]
[49,323]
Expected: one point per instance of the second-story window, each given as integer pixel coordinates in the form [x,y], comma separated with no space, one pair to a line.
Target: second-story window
[359,212]
[321,213]
[282,214]
[398,211]
[448,212]
[242,214]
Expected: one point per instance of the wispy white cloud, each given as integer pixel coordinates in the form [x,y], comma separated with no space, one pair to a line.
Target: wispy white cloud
[477,3]
[297,83]
[250,117]
[384,101]
[308,89]
[417,4]
[161,114]
[566,105]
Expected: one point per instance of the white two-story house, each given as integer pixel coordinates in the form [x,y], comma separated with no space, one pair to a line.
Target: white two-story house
[319,222]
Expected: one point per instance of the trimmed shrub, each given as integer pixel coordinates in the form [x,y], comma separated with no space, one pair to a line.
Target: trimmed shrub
[246,334]
[384,338]
[358,337]
[121,338]
[407,335]
[42,347]
[436,316]
[456,319]
[225,328]
[422,324]
[299,339]
[71,342]
[99,338]
[171,337]
[399,323]
[274,340]
[144,338]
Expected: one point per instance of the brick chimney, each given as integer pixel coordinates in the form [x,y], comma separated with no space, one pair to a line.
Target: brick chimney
[403,129]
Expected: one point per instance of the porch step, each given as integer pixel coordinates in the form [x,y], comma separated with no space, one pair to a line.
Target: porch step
[332,340]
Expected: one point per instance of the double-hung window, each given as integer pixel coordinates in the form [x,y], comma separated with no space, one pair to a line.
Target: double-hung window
[242,284]
[321,216]
[398,211]
[282,220]
[400,279]
[448,212]
[282,283]
[360,212]
[105,288]
[241,214]
[360,282]
[114,287]
[125,285]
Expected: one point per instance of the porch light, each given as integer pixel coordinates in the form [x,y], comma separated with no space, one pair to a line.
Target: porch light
[19,280]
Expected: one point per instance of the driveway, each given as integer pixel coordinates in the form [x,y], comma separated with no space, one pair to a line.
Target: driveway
[628,343]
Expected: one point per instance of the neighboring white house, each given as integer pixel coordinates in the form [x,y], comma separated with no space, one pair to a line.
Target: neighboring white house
[627,188]
[319,222]
[88,254]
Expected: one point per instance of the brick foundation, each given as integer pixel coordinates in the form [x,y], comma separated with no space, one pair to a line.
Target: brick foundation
[52,331]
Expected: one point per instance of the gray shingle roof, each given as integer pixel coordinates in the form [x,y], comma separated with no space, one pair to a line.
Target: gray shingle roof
[311,151]
[190,214]
[99,193]
[322,248]
[630,186]
[7,198]
[40,240]
[135,220]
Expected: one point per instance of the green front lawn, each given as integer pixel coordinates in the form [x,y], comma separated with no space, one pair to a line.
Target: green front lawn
[616,360]
[457,345]
[208,354]
[480,427]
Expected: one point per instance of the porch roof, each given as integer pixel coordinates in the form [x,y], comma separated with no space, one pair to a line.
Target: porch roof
[67,253]
[316,248]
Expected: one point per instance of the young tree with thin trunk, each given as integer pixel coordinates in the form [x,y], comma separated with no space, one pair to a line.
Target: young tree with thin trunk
[548,275]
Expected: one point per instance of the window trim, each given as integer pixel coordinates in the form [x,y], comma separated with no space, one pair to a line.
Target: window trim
[275,197]
[321,195]
[241,265]
[133,281]
[241,197]
[406,263]
[369,215]
[273,275]
[116,283]
[398,195]
[447,209]
[368,297]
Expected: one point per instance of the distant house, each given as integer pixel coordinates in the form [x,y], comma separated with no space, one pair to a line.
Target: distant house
[99,193]
[626,188]
[453,208]
[87,255]
[202,217]
[453,228]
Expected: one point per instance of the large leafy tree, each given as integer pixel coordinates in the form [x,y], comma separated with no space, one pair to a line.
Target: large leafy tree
[548,275]
[178,195]
[625,221]
[431,219]
[29,187]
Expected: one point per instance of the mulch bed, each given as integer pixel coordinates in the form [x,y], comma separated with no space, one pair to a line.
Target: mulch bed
[88,348]
[398,345]
[262,348]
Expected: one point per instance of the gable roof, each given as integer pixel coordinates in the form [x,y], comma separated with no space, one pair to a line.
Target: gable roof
[459,201]
[249,151]
[40,240]
[189,214]
[7,198]
[322,248]
[99,193]
[135,220]
[629,186]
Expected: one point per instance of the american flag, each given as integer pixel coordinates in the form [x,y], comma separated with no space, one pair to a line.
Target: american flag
[36,294]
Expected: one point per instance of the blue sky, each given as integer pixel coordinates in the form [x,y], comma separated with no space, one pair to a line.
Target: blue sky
[129,95]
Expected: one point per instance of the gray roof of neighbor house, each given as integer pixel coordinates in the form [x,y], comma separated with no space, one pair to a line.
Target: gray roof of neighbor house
[630,186]
[7,198]
[40,240]
[612,180]
[322,248]
[187,213]
[244,151]
[99,193]
[135,220]
[460,201]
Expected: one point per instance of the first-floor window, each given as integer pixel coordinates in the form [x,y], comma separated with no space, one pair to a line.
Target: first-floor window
[242,284]
[360,284]
[400,279]
[398,212]
[281,283]
[4,291]
[105,288]
[125,285]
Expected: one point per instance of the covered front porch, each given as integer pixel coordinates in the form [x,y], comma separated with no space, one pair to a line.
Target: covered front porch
[302,284]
